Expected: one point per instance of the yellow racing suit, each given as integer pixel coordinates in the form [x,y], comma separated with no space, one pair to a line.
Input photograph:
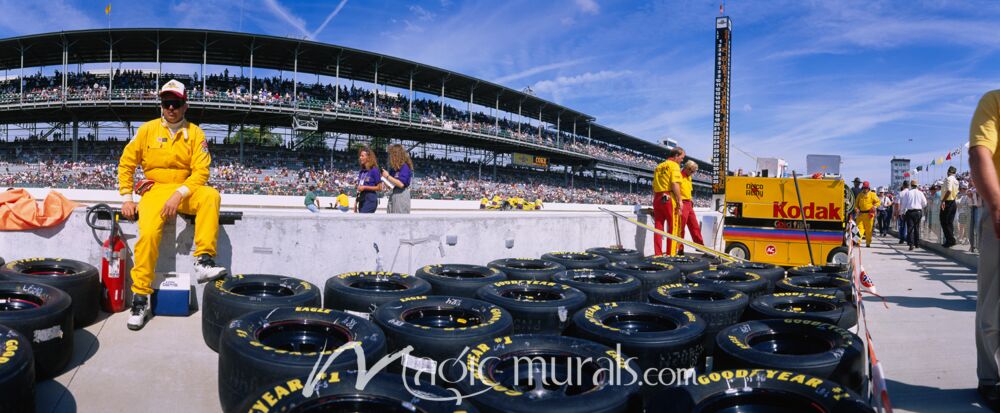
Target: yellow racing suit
[176,163]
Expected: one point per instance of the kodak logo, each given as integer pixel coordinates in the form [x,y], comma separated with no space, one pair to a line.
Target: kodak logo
[811,211]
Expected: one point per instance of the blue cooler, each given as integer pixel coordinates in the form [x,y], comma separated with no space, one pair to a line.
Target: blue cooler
[173,297]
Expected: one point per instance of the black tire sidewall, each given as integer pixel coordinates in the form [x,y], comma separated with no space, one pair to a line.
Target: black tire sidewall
[536,317]
[83,284]
[510,267]
[220,305]
[442,284]
[629,289]
[17,372]
[48,327]
[338,294]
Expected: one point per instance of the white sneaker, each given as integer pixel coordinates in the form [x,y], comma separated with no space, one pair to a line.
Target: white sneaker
[206,270]
[141,312]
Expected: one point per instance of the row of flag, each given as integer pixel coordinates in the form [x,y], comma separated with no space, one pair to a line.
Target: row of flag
[939,161]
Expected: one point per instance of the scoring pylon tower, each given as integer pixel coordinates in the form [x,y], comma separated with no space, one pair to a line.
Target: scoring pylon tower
[723,61]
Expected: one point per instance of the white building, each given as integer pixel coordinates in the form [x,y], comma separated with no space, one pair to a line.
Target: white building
[899,167]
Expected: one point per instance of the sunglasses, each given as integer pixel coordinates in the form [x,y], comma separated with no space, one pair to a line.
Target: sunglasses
[171,104]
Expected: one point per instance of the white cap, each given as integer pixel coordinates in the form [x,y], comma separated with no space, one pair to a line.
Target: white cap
[175,88]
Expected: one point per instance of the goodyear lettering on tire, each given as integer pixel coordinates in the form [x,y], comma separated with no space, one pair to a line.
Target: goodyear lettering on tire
[10,348]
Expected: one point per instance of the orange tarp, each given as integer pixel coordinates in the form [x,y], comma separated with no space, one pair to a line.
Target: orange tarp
[19,211]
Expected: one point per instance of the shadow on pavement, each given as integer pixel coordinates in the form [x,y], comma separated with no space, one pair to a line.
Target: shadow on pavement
[926,399]
[52,397]
[926,302]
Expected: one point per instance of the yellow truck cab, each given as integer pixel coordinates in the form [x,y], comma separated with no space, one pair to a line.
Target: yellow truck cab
[763,221]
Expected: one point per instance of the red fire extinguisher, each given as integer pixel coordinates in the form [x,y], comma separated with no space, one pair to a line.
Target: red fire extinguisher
[113,270]
[114,255]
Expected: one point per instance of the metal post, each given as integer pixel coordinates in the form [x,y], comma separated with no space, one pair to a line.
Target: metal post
[76,135]
[574,130]
[204,62]
[805,225]
[442,101]
[20,77]
[111,65]
[241,143]
[539,124]
[496,117]
[295,80]
[409,110]
[159,65]
[336,93]
[65,69]
[519,117]
[251,72]
[589,140]
[470,104]
[559,130]
[375,102]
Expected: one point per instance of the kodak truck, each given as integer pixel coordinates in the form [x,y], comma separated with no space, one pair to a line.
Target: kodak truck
[763,221]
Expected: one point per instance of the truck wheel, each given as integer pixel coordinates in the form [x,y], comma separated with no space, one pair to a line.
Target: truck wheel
[811,347]
[17,373]
[750,283]
[738,250]
[362,292]
[335,392]
[686,263]
[772,273]
[527,268]
[234,296]
[657,336]
[821,284]
[538,307]
[806,306]
[838,256]
[602,286]
[438,328]
[77,278]
[749,390]
[42,314]
[514,387]
[651,274]
[459,280]
[616,254]
[270,345]
[719,307]
[576,260]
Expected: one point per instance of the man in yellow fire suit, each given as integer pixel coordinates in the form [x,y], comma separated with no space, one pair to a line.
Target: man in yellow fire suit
[865,211]
[173,155]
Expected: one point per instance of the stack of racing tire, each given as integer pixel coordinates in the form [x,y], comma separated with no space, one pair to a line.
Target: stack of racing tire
[565,332]
[42,302]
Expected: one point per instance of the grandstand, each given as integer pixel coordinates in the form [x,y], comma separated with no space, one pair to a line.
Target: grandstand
[284,113]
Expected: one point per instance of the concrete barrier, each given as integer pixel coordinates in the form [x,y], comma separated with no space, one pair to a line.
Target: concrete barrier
[315,247]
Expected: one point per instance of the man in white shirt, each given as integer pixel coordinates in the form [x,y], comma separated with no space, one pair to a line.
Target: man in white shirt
[884,210]
[900,214]
[912,204]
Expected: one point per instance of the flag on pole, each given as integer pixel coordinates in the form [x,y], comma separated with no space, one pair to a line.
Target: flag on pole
[940,161]
[107,10]
[920,168]
[948,158]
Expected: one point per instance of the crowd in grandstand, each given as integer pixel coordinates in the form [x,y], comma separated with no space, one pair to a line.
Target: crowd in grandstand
[277,91]
[282,171]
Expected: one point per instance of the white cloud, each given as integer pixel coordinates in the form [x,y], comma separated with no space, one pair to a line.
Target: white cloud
[329,17]
[33,17]
[556,87]
[539,69]
[747,108]
[421,13]
[281,12]
[588,6]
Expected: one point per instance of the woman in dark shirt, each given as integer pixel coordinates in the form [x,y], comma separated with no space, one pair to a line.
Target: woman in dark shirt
[399,175]
[369,181]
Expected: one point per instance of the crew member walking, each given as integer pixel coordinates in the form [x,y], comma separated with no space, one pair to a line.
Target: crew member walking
[984,162]
[864,209]
[174,156]
[912,204]
[666,200]
[689,221]
[948,208]
[900,213]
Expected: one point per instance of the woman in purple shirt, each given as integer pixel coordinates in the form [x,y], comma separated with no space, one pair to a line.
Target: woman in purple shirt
[369,181]
[399,175]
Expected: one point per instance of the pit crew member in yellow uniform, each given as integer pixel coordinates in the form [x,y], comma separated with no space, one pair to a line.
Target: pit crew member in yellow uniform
[174,156]
[865,211]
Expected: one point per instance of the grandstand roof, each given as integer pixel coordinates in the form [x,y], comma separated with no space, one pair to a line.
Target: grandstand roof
[196,46]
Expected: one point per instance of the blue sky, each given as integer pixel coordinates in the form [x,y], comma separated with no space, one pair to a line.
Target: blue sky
[864,79]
